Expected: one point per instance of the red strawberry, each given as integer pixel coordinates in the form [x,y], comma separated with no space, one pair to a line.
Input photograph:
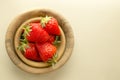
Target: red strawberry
[35,33]
[46,51]
[51,39]
[50,24]
[30,51]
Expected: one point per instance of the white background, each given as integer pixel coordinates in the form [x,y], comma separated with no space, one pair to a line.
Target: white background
[96,26]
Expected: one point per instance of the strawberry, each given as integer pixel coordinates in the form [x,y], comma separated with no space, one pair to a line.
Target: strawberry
[30,52]
[34,33]
[46,51]
[50,25]
[51,39]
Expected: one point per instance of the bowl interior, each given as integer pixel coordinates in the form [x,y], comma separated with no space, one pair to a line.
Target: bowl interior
[60,48]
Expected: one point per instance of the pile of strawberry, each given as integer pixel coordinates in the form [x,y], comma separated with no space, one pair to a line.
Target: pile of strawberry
[38,40]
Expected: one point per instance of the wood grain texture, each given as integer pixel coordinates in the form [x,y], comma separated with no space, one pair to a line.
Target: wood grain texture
[16,23]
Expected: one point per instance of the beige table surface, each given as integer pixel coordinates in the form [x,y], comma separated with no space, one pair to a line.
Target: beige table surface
[96,26]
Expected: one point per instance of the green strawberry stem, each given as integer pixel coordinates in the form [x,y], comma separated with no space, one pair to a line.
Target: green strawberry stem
[27,30]
[57,40]
[53,60]
[23,41]
[22,46]
[44,20]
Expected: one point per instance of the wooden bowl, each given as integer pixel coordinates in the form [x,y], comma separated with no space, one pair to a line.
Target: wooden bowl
[60,48]
[14,30]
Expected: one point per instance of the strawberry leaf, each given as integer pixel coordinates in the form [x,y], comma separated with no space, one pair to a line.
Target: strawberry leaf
[57,40]
[27,30]
[53,60]
[23,41]
[22,46]
[44,20]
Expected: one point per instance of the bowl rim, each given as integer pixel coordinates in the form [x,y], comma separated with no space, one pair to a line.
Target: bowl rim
[13,26]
